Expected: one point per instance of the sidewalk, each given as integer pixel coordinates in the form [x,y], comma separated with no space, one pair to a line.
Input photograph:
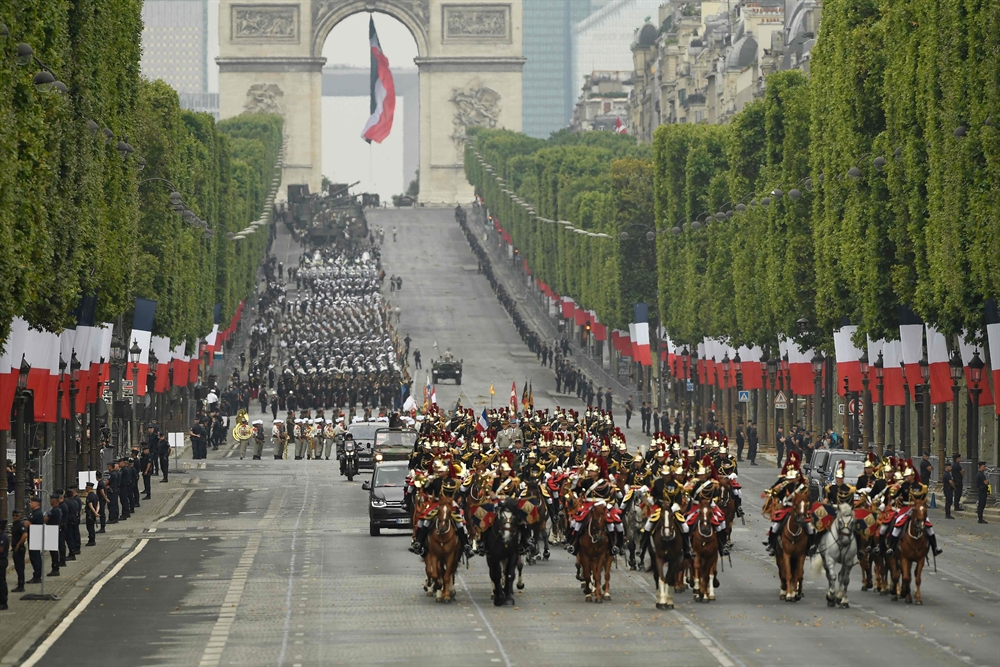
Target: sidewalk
[27,621]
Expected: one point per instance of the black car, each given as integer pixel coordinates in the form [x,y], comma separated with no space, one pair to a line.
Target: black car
[385,497]
[394,444]
[364,440]
[820,469]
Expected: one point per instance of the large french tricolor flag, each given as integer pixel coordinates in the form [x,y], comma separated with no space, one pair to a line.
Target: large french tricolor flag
[383,92]
[937,360]
[42,353]
[639,334]
[86,342]
[142,328]
[10,368]
[161,348]
[993,339]
[893,390]
[179,360]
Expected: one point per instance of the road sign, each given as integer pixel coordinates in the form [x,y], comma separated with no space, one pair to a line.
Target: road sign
[780,402]
[856,407]
[126,388]
[744,396]
[690,385]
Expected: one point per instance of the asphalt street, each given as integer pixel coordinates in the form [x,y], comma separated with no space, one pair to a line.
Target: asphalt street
[270,562]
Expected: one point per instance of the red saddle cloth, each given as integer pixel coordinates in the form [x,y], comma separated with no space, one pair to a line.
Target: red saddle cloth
[718,516]
[904,514]
[614,515]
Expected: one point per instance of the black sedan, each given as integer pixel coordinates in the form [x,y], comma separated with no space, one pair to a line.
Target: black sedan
[385,497]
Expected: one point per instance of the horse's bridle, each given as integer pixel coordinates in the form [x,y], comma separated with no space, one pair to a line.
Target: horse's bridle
[704,519]
[799,511]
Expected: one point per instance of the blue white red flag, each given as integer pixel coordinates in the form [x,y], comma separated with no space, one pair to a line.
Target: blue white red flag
[383,92]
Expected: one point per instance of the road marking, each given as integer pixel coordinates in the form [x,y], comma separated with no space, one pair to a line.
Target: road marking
[291,572]
[486,622]
[78,609]
[227,613]
[713,645]
[177,510]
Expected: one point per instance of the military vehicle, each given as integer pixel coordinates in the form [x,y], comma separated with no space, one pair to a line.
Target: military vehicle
[446,367]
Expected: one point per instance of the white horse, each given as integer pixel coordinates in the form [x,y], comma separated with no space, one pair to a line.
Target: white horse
[839,551]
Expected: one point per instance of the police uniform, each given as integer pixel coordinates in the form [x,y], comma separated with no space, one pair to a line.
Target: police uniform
[91,509]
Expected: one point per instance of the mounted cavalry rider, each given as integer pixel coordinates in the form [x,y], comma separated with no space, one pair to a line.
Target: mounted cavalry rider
[667,495]
[910,490]
[636,474]
[824,513]
[781,494]
[592,489]
[706,487]
[726,465]
[444,484]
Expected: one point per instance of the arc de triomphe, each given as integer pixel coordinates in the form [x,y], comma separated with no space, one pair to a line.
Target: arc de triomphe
[469,59]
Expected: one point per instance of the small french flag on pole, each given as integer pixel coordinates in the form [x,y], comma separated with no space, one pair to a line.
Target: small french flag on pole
[483,423]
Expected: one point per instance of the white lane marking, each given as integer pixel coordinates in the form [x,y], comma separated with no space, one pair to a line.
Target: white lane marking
[713,645]
[291,574]
[949,573]
[177,510]
[486,622]
[227,613]
[79,608]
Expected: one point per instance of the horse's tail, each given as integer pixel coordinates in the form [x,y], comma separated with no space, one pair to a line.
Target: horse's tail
[817,566]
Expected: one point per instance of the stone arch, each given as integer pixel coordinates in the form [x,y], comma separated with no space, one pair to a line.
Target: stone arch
[414,14]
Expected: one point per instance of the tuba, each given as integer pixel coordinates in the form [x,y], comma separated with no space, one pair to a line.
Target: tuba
[243,430]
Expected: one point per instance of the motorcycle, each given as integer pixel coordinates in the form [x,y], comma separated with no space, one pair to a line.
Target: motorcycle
[350,462]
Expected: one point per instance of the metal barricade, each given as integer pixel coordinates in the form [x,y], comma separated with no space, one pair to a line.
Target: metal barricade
[46,470]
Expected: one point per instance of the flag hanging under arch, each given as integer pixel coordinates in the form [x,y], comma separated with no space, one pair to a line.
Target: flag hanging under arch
[383,92]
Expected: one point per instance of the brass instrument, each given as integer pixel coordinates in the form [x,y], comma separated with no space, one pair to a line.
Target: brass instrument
[243,430]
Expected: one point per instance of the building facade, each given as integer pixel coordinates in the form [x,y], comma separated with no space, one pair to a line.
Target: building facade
[175,44]
[548,88]
[604,103]
[702,62]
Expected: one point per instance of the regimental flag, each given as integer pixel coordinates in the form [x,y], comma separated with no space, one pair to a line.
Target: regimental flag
[524,396]
[383,92]
[492,392]
[513,396]
[142,326]
[531,397]
[484,422]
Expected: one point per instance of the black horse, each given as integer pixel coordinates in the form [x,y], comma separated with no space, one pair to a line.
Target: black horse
[503,544]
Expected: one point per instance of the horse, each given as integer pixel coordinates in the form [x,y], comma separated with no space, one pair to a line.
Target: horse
[635,519]
[567,507]
[838,550]
[705,547]
[539,528]
[595,554]
[443,550]
[793,542]
[912,551]
[727,503]
[477,495]
[667,554]
[503,544]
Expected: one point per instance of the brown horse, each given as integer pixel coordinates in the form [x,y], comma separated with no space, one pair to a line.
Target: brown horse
[912,551]
[443,549]
[705,547]
[595,554]
[793,543]
[668,553]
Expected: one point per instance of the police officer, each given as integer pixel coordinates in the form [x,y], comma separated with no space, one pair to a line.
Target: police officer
[92,509]
[54,517]
[948,484]
[114,480]
[983,488]
[18,547]
[102,501]
[73,507]
[135,470]
[146,469]
[163,452]
[35,555]
[4,561]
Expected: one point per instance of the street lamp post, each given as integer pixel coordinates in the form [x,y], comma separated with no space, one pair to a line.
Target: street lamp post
[118,354]
[862,405]
[20,441]
[848,413]
[696,394]
[726,366]
[976,375]
[72,457]
[817,369]
[772,413]
[738,369]
[134,353]
[955,369]
[904,415]
[924,439]
[788,414]
[154,402]
[59,453]
[880,383]
[765,404]
[686,363]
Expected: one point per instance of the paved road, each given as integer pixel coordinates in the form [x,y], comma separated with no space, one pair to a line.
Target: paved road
[270,562]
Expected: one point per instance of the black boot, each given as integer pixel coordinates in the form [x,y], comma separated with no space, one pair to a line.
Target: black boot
[571,541]
[620,542]
[739,505]
[417,546]
[891,542]
[932,540]
[772,543]
[644,543]
[463,537]
[687,547]
[812,544]
[720,536]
